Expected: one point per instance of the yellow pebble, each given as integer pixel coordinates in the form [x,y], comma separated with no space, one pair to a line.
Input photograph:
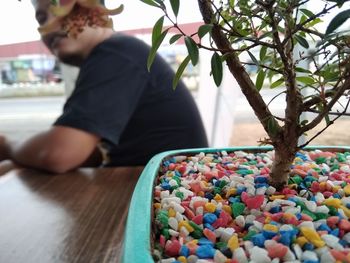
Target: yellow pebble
[288,215]
[274,197]
[218,197]
[210,207]
[297,160]
[335,202]
[336,188]
[346,210]
[200,193]
[312,236]
[157,206]
[171,212]
[301,241]
[347,189]
[270,227]
[182,259]
[267,220]
[185,224]
[231,191]
[227,209]
[233,243]
[292,186]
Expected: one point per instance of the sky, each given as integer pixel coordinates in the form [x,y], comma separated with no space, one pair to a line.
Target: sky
[17,23]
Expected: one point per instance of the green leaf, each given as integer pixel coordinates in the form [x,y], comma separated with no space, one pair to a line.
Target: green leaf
[175,5]
[260,79]
[306,80]
[263,51]
[337,21]
[307,12]
[154,48]
[180,70]
[299,69]
[157,29]
[192,50]
[204,29]
[276,83]
[302,41]
[255,61]
[216,68]
[150,2]
[175,38]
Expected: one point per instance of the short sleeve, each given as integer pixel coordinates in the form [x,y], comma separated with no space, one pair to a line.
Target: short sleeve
[107,93]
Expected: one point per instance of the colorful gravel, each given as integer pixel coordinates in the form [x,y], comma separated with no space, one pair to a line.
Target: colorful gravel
[219,207]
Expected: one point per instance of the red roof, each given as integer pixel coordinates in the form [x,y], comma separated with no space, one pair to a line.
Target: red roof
[37,47]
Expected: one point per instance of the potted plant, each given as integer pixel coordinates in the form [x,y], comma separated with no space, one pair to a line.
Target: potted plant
[285,36]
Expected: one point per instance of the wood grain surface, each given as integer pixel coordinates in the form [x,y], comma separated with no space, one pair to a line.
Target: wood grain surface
[75,217]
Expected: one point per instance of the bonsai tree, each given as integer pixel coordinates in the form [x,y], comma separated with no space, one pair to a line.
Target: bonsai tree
[278,37]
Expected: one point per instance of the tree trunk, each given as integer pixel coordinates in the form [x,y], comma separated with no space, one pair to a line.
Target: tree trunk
[284,157]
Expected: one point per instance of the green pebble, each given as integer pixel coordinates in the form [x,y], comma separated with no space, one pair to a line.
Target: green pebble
[332,210]
[196,234]
[321,216]
[220,245]
[301,204]
[195,226]
[341,157]
[244,172]
[237,209]
[177,179]
[165,233]
[222,184]
[335,167]
[296,179]
[217,190]
[179,195]
[162,218]
[320,160]
[249,235]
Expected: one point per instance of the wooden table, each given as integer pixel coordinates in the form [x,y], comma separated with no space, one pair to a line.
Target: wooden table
[75,217]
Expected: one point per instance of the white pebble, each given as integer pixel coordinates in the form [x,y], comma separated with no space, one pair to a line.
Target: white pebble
[259,255]
[164,194]
[219,257]
[240,221]
[297,251]
[327,258]
[184,232]
[289,256]
[226,234]
[248,245]
[275,260]
[309,255]
[168,260]
[311,205]
[319,197]
[260,190]
[249,219]
[346,237]
[173,233]
[240,255]
[169,200]
[270,190]
[323,179]
[173,182]
[322,209]
[325,167]
[345,168]
[307,224]
[173,223]
[192,259]
[332,241]
[258,225]
[179,217]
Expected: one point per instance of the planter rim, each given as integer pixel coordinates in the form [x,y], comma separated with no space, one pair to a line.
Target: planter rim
[137,238]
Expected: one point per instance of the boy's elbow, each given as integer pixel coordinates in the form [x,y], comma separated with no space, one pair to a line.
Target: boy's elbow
[57,163]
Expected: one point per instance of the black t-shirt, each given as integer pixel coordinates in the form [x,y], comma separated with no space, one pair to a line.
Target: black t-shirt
[136,113]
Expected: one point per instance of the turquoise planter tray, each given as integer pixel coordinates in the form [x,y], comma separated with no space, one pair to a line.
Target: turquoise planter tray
[137,241]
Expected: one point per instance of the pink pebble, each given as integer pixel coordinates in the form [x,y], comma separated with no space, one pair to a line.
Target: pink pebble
[198,219]
[210,235]
[253,202]
[338,255]
[172,248]
[195,186]
[162,241]
[277,216]
[218,223]
[305,217]
[344,225]
[225,217]
[332,221]
[277,250]
[210,175]
[189,213]
[327,194]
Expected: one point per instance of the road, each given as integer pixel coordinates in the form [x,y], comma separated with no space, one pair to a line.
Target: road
[22,117]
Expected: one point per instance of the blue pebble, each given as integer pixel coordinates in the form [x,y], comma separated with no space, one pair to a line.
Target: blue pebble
[313,199]
[234,200]
[335,232]
[286,238]
[217,183]
[205,251]
[268,234]
[205,242]
[275,209]
[348,205]
[308,178]
[209,196]
[293,199]
[324,227]
[209,218]
[209,226]
[308,246]
[176,261]
[298,216]
[241,189]
[261,185]
[336,195]
[311,261]
[301,156]
[343,242]
[217,212]
[165,186]
[184,251]
[258,240]
[177,173]
[260,180]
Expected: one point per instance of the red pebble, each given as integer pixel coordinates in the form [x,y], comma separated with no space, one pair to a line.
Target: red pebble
[210,235]
[218,223]
[327,194]
[277,251]
[198,219]
[339,255]
[225,217]
[344,225]
[171,167]
[162,241]
[332,221]
[209,175]
[182,169]
[253,202]
[305,217]
[277,216]
[172,248]
[195,186]
[233,261]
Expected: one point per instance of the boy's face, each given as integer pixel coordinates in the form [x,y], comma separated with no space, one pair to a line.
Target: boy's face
[68,49]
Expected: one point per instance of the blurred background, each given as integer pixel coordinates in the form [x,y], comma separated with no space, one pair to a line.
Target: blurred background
[34,85]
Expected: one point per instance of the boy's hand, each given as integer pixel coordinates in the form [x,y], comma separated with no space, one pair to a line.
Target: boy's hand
[4,150]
